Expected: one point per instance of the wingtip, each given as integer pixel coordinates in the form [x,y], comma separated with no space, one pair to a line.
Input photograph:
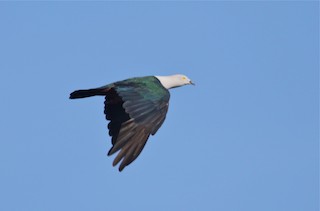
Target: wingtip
[121,167]
[112,151]
[116,161]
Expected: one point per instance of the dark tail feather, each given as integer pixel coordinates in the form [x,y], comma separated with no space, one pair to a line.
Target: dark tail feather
[88,93]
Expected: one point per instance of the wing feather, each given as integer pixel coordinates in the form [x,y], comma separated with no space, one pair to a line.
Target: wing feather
[134,112]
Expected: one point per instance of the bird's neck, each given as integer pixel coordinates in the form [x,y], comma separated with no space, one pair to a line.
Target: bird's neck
[168,81]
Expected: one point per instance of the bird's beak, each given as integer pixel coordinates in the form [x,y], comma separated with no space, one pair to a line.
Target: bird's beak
[192,83]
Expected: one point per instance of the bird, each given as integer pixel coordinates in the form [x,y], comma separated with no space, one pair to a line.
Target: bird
[136,108]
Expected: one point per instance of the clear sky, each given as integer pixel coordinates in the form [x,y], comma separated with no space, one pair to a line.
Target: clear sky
[245,138]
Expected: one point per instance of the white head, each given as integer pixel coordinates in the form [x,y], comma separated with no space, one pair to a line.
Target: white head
[173,81]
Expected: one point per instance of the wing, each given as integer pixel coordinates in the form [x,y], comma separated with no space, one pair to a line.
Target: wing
[135,109]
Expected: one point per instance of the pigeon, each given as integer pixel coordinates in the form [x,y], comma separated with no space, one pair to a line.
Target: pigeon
[136,108]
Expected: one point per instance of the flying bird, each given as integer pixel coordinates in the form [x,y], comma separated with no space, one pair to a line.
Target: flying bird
[136,108]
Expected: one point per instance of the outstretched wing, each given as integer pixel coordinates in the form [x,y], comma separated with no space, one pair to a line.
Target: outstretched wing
[136,108]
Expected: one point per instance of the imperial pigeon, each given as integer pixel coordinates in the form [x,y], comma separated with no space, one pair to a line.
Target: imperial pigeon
[136,108]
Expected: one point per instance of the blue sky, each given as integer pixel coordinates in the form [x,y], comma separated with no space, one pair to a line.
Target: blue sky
[244,138]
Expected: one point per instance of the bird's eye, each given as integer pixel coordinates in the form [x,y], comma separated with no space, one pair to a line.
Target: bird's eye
[184,78]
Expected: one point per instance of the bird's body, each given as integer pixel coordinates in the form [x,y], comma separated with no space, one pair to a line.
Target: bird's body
[136,108]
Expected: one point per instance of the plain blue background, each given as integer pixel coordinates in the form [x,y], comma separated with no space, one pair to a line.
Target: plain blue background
[245,138]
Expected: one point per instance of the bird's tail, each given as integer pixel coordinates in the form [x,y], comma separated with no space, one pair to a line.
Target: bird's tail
[88,93]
